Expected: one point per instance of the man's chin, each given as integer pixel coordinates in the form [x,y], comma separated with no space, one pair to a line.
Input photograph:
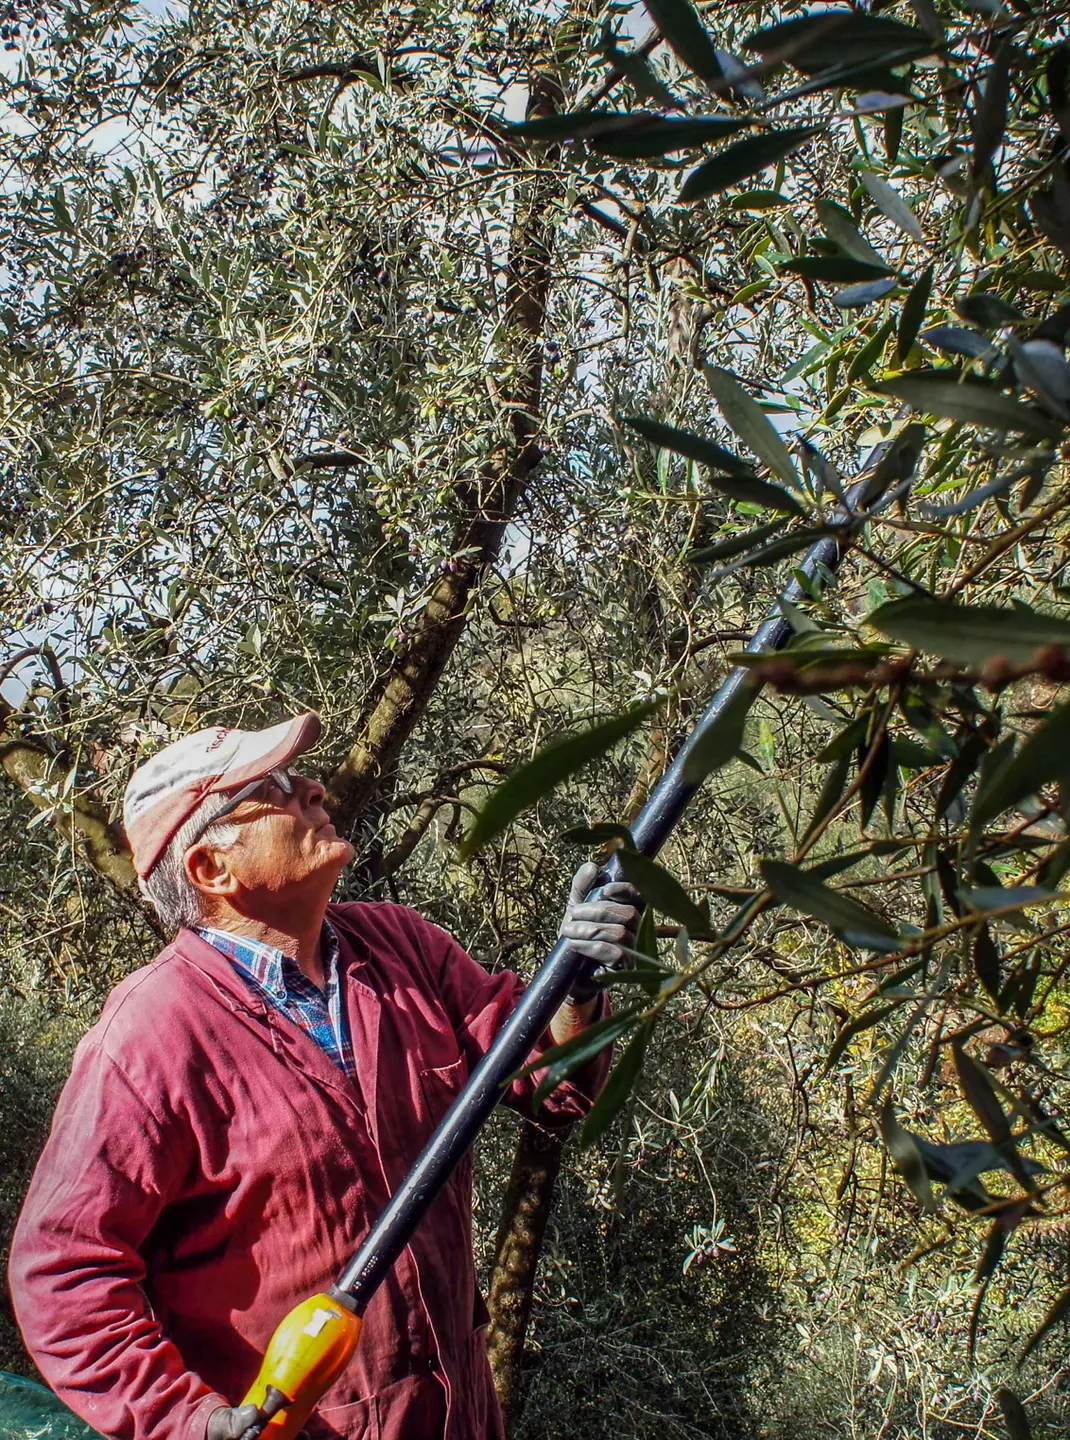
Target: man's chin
[340,851]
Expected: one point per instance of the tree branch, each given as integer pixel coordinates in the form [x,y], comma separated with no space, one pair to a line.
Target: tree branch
[488,503]
[35,770]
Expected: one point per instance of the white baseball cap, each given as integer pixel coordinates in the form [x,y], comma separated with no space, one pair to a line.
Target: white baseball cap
[165,791]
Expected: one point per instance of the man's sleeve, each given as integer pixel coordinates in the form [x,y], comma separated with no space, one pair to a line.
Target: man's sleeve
[479,1004]
[76,1274]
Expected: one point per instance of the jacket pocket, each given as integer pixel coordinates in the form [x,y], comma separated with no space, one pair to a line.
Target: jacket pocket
[358,1421]
[441,1084]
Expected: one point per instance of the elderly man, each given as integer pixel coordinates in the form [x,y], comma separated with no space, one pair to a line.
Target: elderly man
[245,1107]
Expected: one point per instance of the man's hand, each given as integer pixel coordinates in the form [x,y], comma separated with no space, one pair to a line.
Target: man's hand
[230,1422]
[600,928]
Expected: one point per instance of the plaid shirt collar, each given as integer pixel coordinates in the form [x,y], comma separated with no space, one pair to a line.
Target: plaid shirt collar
[266,965]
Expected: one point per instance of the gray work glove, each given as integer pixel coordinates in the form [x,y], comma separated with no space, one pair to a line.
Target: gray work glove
[599,929]
[230,1422]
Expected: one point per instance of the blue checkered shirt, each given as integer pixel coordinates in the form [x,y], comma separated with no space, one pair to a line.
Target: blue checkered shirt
[282,982]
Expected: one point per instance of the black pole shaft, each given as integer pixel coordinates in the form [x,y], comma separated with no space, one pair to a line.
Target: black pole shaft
[553,981]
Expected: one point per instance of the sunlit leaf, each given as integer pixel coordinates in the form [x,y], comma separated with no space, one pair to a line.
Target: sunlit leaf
[968,634]
[663,891]
[538,776]
[969,400]
[743,159]
[717,742]
[852,921]
[685,32]
[751,424]
[617,1089]
[890,203]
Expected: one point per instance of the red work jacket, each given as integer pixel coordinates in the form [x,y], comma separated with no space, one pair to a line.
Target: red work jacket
[209,1166]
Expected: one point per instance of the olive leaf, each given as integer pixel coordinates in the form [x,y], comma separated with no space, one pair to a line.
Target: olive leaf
[968,634]
[750,423]
[855,296]
[731,475]
[743,159]
[935,394]
[719,739]
[538,776]
[890,203]
[684,31]
[913,313]
[1043,758]
[906,1157]
[853,922]
[617,1089]
[658,135]
[663,891]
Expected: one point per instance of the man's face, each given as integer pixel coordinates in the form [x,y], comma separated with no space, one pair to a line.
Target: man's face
[286,843]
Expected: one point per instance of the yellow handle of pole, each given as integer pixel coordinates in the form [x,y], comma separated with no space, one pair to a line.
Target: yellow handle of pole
[308,1351]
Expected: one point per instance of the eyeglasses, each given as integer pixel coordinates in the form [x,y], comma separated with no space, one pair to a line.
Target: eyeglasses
[281,778]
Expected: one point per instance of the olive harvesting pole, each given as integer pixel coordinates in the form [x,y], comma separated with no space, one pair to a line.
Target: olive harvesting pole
[313,1344]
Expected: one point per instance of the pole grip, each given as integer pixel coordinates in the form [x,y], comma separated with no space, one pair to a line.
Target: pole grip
[310,1348]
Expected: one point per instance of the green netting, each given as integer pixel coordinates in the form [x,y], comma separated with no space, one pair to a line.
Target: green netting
[30,1412]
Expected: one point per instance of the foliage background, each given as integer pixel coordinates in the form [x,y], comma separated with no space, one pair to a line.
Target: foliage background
[286,311]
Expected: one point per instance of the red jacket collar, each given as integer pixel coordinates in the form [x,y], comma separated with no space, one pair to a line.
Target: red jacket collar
[222,975]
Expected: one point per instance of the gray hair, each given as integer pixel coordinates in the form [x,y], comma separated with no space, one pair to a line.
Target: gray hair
[175,899]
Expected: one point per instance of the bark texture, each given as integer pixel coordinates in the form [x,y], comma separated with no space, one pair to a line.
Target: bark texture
[530,1193]
[32,766]
[525,1213]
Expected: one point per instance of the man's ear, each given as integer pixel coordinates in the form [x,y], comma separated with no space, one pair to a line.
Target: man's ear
[208,871]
